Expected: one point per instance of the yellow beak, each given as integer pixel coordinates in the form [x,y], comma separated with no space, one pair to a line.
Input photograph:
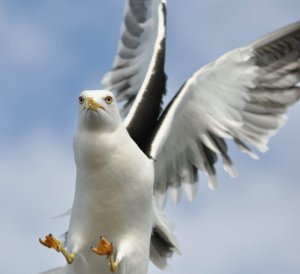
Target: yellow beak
[90,103]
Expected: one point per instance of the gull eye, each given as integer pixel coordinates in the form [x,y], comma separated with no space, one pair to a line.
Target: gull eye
[80,100]
[108,99]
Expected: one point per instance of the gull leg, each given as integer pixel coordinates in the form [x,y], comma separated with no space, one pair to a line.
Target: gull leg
[106,248]
[113,264]
[52,242]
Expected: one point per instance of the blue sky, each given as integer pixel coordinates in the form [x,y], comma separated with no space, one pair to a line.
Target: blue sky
[50,50]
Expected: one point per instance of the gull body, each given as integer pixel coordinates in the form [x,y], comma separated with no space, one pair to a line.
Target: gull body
[243,96]
[113,198]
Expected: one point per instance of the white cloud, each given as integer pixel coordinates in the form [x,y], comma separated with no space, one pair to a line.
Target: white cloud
[37,178]
[22,40]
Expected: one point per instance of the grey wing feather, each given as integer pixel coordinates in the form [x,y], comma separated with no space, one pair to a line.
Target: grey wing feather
[136,48]
[137,77]
[279,48]
[242,96]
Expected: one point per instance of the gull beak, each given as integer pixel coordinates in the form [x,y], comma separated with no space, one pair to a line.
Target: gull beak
[90,103]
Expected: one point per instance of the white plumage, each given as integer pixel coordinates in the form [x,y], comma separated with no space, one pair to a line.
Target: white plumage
[113,193]
[125,170]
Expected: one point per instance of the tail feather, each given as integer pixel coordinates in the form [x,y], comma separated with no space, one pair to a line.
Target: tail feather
[163,242]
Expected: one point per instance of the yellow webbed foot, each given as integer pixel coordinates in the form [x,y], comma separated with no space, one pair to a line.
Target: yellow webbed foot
[52,242]
[106,248]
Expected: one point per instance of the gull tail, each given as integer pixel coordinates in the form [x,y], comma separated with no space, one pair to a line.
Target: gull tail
[59,270]
[163,242]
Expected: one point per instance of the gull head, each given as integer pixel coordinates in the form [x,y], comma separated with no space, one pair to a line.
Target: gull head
[98,110]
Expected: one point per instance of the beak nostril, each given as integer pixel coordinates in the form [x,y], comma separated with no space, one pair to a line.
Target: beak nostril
[90,103]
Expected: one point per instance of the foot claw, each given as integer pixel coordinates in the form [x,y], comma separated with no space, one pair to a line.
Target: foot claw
[106,248]
[52,242]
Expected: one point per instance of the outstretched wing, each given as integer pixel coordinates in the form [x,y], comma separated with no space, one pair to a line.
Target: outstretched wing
[242,96]
[137,76]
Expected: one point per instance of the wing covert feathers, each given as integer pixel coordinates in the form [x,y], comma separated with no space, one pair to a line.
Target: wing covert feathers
[242,96]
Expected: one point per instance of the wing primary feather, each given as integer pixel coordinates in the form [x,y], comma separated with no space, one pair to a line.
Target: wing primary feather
[221,147]
[209,158]
[142,117]
[190,190]
[245,149]
[242,96]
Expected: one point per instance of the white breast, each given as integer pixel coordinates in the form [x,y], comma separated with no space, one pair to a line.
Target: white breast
[113,199]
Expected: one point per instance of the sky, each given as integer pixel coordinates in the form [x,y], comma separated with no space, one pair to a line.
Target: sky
[51,50]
